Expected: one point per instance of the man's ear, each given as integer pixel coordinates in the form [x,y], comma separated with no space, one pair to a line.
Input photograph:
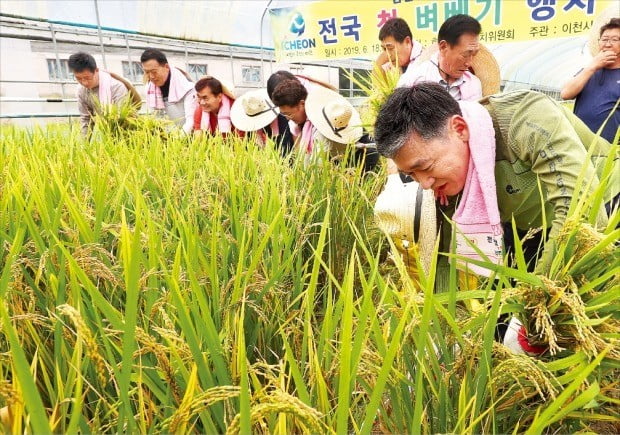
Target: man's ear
[407,40]
[460,127]
[443,44]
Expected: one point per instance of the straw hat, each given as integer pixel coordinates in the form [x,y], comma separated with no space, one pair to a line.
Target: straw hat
[406,212]
[253,111]
[484,66]
[133,93]
[603,18]
[333,116]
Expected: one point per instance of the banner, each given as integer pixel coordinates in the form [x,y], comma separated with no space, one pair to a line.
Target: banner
[335,29]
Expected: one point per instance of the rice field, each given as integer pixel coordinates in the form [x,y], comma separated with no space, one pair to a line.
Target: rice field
[155,283]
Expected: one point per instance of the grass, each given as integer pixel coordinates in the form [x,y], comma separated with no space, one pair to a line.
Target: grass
[155,283]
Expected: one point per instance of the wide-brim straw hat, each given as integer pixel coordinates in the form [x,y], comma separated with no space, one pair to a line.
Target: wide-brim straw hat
[253,111]
[484,66]
[333,116]
[136,99]
[406,212]
[601,19]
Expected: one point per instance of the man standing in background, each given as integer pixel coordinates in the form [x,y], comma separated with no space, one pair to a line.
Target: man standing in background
[596,88]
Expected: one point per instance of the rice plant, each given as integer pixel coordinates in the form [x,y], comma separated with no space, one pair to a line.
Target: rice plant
[153,282]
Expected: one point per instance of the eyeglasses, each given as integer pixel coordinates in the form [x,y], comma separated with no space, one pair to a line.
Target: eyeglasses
[610,40]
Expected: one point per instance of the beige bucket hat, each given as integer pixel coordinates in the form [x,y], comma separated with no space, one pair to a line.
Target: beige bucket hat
[253,111]
[333,116]
[407,213]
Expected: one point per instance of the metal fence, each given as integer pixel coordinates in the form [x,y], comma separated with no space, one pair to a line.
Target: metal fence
[63,36]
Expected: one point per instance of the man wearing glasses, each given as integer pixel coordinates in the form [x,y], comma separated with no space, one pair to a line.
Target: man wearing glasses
[596,88]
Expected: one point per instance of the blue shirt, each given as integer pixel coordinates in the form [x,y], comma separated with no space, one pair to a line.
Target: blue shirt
[597,99]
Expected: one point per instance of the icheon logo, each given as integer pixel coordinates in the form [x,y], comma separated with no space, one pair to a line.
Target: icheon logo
[298,25]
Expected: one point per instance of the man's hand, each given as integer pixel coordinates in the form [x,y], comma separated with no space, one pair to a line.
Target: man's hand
[574,86]
[603,59]
[382,59]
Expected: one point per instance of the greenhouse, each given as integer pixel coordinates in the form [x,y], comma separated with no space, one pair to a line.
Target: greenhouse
[330,216]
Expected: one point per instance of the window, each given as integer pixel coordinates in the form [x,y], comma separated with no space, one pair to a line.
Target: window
[251,74]
[133,72]
[348,87]
[196,70]
[56,73]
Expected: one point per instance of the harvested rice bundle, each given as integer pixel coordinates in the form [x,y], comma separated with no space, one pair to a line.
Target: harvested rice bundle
[377,86]
[578,310]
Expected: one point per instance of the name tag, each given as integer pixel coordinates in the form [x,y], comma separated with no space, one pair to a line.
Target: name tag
[490,245]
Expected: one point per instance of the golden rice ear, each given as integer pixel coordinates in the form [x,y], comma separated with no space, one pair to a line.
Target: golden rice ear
[410,256]
[6,418]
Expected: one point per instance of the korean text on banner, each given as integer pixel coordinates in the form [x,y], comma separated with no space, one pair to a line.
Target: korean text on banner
[334,29]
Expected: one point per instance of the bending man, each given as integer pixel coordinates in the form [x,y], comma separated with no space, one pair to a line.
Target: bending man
[97,88]
[492,157]
[169,93]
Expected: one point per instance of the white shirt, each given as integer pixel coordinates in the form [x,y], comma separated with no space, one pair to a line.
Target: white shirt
[429,71]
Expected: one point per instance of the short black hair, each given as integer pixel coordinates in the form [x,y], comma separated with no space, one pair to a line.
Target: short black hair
[289,93]
[423,108]
[276,78]
[214,84]
[457,25]
[81,61]
[614,23]
[153,53]
[397,28]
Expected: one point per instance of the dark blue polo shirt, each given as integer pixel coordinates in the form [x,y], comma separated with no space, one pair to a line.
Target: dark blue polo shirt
[597,99]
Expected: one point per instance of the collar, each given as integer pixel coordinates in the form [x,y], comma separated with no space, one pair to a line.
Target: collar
[457,83]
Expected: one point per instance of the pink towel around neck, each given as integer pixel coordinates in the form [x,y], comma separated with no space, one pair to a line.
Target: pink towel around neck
[275,127]
[305,142]
[471,89]
[223,117]
[179,87]
[105,87]
[477,215]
